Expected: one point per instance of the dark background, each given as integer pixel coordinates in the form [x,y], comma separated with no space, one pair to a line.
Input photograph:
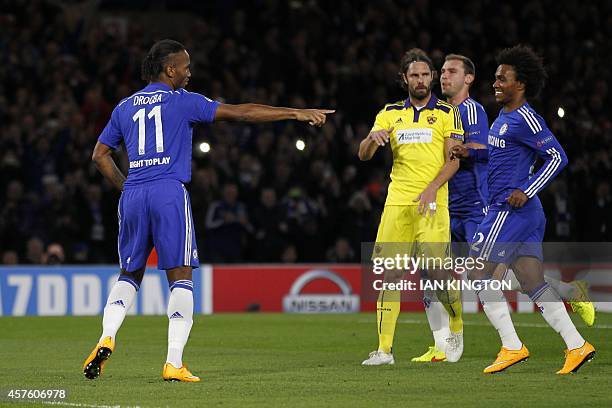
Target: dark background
[255,197]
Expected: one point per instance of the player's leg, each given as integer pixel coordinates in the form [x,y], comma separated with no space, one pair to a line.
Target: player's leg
[531,276]
[437,316]
[180,321]
[433,235]
[120,299]
[174,239]
[438,320]
[493,300]
[575,293]
[394,228]
[134,245]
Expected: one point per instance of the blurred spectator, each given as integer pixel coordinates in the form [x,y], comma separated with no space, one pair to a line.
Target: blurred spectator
[270,227]
[559,223]
[341,252]
[35,251]
[227,223]
[49,122]
[289,254]
[303,220]
[54,255]
[10,258]
[600,214]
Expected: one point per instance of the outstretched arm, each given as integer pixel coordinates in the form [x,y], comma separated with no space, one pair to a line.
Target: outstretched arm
[252,112]
[106,165]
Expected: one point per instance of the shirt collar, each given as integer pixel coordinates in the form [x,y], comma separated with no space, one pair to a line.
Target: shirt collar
[158,86]
[430,105]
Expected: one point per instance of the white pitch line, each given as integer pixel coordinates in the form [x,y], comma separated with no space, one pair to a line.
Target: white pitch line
[468,323]
[74,404]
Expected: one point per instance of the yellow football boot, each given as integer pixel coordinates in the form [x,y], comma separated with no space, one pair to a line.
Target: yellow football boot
[581,303]
[433,355]
[92,368]
[507,358]
[172,373]
[575,358]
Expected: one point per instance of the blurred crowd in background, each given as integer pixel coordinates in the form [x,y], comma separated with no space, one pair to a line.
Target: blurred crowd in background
[255,196]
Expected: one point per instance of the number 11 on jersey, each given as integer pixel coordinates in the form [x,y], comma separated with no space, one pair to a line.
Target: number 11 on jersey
[159,132]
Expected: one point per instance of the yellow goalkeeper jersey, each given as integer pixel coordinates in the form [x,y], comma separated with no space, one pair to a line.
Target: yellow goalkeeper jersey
[417,141]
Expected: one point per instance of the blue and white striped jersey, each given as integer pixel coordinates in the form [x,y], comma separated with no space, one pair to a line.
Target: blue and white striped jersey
[468,193]
[516,140]
[156,125]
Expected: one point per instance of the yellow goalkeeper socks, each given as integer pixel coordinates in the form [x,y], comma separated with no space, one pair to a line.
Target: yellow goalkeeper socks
[451,299]
[387,311]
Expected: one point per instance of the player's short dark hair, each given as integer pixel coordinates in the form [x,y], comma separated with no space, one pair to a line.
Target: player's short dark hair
[528,66]
[414,55]
[153,63]
[468,64]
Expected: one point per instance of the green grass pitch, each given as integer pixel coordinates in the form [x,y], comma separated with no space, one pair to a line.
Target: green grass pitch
[280,360]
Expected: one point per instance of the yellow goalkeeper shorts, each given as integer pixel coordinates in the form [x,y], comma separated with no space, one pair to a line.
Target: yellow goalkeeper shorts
[403,230]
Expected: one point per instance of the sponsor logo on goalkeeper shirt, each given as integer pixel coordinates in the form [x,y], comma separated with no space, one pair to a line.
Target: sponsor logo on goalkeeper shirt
[409,136]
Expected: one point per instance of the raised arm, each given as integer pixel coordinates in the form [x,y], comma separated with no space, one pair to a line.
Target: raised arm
[370,143]
[252,112]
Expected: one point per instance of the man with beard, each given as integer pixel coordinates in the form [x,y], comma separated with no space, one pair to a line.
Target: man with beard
[467,188]
[156,126]
[421,131]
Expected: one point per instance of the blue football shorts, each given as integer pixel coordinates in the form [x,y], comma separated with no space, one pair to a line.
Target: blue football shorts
[157,214]
[507,233]
[463,228]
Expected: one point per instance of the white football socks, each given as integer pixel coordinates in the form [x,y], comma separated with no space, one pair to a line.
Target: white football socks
[509,276]
[496,308]
[437,317]
[564,289]
[553,311]
[119,302]
[180,316]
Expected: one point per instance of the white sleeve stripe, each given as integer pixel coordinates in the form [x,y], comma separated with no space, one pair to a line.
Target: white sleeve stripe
[474,120]
[530,118]
[471,112]
[552,167]
[528,122]
[547,173]
[535,120]
[545,176]
[467,110]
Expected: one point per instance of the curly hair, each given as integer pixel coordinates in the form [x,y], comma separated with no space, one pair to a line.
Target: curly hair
[158,55]
[528,66]
[410,56]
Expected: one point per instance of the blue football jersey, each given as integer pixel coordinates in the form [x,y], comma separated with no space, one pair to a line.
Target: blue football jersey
[468,188]
[156,126]
[516,140]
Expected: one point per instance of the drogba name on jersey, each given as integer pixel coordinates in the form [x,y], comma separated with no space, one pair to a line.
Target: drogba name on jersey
[156,126]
